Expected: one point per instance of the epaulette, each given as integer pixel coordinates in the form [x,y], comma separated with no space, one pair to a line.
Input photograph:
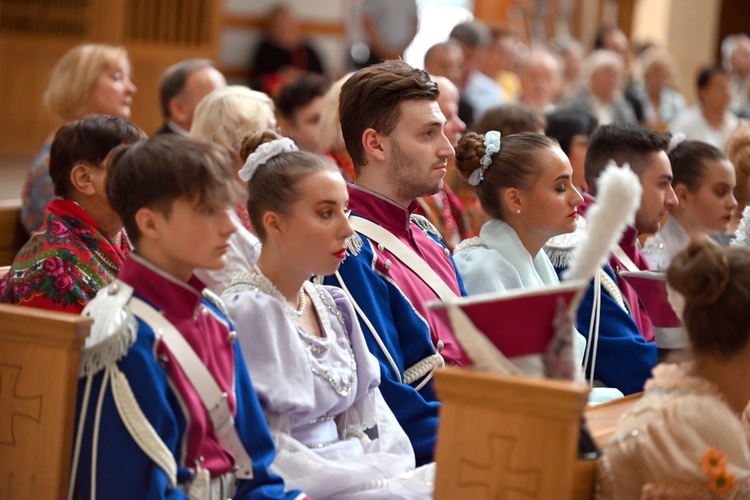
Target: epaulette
[469,244]
[559,248]
[426,225]
[354,243]
[113,332]
[215,301]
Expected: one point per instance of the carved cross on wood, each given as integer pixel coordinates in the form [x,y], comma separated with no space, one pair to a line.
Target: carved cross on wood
[12,405]
[498,475]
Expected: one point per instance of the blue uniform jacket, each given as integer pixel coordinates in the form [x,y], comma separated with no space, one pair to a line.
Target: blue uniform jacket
[624,358]
[123,469]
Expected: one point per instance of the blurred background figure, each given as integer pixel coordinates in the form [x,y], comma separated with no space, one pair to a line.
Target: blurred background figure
[389,26]
[225,117]
[479,90]
[299,106]
[662,102]
[572,129]
[570,52]
[612,38]
[282,53]
[500,63]
[443,209]
[735,51]
[181,88]
[540,77]
[737,149]
[509,119]
[88,79]
[710,119]
[601,95]
[445,59]
[330,138]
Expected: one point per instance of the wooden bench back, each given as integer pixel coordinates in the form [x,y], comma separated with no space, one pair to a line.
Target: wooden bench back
[39,354]
[12,233]
[508,437]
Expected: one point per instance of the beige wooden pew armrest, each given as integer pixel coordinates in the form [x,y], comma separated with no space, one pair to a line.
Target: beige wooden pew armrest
[502,435]
[39,353]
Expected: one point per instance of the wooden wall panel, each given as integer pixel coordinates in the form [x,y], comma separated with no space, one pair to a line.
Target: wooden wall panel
[35,33]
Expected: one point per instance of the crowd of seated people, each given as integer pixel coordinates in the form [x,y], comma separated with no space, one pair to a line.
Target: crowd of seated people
[283,242]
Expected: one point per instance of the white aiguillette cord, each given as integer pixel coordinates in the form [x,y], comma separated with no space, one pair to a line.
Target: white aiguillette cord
[212,397]
[406,255]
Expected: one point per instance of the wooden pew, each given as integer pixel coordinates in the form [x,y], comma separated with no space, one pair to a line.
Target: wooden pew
[12,233]
[509,437]
[39,353]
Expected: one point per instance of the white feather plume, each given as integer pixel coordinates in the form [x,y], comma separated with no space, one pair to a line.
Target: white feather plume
[618,198]
[742,237]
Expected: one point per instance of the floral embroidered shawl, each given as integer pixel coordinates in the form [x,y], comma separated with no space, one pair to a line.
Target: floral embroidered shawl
[63,265]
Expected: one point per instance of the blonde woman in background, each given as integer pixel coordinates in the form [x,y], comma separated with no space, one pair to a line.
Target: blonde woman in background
[330,139]
[88,79]
[225,116]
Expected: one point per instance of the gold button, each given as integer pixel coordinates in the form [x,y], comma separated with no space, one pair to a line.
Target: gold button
[380,247]
[232,337]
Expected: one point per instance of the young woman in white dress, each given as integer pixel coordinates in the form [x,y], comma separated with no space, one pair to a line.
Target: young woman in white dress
[315,377]
[687,436]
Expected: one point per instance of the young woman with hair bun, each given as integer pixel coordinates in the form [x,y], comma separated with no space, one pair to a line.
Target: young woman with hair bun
[687,436]
[525,184]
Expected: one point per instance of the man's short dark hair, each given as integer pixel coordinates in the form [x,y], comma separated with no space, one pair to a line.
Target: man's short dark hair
[156,172]
[622,143]
[174,78]
[299,92]
[87,141]
[371,98]
[706,74]
[601,35]
[472,33]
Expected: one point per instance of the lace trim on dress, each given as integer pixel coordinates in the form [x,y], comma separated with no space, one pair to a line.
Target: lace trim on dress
[318,347]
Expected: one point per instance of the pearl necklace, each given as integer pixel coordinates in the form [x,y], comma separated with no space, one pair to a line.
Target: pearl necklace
[302,303]
[300,309]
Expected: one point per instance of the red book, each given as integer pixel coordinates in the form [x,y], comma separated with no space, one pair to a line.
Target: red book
[518,323]
[651,287]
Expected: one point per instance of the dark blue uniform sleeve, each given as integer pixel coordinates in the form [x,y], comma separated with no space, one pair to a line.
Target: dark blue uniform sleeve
[624,358]
[123,470]
[405,340]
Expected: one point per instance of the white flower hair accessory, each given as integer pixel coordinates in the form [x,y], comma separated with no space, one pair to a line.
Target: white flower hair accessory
[491,146]
[265,152]
[676,139]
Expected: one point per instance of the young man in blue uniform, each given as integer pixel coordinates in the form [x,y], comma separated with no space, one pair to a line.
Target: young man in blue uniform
[394,132]
[166,408]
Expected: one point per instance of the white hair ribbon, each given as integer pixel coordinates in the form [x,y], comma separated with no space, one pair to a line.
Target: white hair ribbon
[263,153]
[491,146]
